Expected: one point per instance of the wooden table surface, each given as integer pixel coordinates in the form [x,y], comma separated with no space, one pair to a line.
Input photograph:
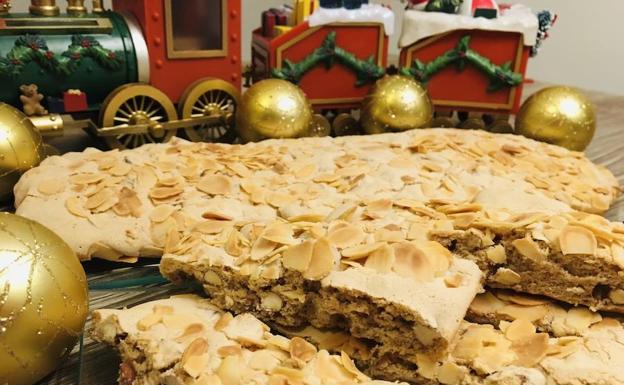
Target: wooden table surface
[93,364]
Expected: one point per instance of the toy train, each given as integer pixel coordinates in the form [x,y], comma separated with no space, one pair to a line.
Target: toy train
[153,68]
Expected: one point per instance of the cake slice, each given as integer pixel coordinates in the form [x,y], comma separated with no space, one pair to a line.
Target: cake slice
[405,297]
[514,354]
[185,341]
[120,205]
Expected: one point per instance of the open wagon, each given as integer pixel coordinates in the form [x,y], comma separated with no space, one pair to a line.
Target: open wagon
[474,68]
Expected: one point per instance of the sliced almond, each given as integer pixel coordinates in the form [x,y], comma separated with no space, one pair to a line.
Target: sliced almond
[301,350]
[531,350]
[190,331]
[580,319]
[120,169]
[298,257]
[215,185]
[216,215]
[410,261]
[617,296]
[529,313]
[280,233]
[381,260]
[262,248]
[347,236]
[521,299]
[263,360]
[75,207]
[450,373]
[486,304]
[519,329]
[322,261]
[348,364]
[128,202]
[165,192]
[230,371]
[212,227]
[361,251]
[506,277]
[161,213]
[148,321]
[51,186]
[528,248]
[224,321]
[454,281]
[271,302]
[496,254]
[577,240]
[230,350]
[86,178]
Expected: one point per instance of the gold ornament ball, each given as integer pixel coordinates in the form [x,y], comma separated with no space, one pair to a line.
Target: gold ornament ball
[43,300]
[273,108]
[21,148]
[558,115]
[396,103]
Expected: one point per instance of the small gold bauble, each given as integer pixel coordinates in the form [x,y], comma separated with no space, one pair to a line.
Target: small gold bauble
[21,148]
[396,103]
[43,300]
[558,115]
[273,108]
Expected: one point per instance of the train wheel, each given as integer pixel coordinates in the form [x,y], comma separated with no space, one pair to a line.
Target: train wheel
[210,97]
[345,124]
[500,124]
[133,104]
[319,126]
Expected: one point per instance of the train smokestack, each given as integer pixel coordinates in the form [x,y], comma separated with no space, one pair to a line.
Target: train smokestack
[44,8]
[76,7]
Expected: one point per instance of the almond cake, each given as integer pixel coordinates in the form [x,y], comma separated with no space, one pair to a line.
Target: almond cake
[184,340]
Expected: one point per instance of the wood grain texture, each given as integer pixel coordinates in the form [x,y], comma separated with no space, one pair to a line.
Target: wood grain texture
[94,364]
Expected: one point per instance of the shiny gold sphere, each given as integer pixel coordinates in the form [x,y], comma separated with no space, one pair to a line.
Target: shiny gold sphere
[396,103]
[21,148]
[43,300]
[273,108]
[558,115]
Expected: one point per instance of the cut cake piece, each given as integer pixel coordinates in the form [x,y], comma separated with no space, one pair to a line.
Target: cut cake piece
[405,297]
[184,340]
[120,205]
[515,354]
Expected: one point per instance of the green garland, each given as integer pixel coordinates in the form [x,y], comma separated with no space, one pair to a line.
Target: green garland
[366,70]
[500,76]
[33,48]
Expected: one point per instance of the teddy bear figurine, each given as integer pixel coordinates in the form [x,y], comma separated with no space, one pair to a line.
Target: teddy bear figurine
[31,100]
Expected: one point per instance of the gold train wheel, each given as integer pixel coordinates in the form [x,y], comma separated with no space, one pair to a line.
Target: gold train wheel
[345,124]
[210,97]
[134,104]
[319,126]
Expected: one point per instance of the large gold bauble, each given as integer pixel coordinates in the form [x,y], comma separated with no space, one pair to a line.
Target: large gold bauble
[396,103]
[558,115]
[273,108]
[21,148]
[43,300]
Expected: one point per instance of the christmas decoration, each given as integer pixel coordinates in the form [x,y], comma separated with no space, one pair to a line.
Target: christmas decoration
[33,48]
[44,300]
[558,115]
[366,13]
[500,76]
[480,8]
[5,6]
[446,6]
[273,108]
[546,21]
[21,148]
[396,103]
[365,70]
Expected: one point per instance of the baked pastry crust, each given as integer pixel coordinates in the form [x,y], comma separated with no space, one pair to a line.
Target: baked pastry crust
[183,340]
[115,205]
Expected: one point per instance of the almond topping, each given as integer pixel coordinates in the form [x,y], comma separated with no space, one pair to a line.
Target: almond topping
[101,198]
[453,281]
[230,350]
[531,350]
[86,178]
[161,213]
[617,296]
[496,254]
[281,233]
[361,251]
[322,261]
[519,329]
[74,206]
[217,216]
[191,330]
[381,260]
[348,364]
[165,192]
[120,169]
[215,185]
[262,248]
[271,302]
[580,319]
[148,321]
[529,313]
[301,350]
[298,257]
[506,277]
[347,236]
[577,240]
[51,186]
[230,370]
[410,261]
[212,227]
[528,248]
[451,374]
[224,321]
